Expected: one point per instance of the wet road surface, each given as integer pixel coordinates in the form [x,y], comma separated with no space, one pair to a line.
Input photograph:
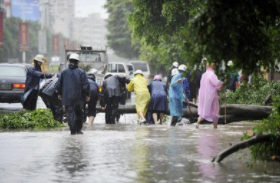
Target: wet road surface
[128,153]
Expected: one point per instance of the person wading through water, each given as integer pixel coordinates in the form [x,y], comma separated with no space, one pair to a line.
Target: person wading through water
[74,90]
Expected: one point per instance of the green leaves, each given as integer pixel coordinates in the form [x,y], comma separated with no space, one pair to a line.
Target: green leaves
[37,119]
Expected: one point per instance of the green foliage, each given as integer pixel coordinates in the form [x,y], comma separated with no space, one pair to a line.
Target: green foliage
[37,119]
[252,93]
[119,37]
[270,125]
[244,31]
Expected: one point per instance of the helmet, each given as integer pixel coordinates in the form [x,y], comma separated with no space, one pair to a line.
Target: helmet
[138,72]
[182,67]
[68,55]
[39,58]
[174,72]
[230,63]
[74,56]
[175,64]
[91,76]
[158,77]
[107,75]
[204,59]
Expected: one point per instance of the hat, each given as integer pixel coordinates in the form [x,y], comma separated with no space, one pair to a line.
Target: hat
[182,67]
[230,63]
[175,64]
[158,77]
[138,72]
[74,56]
[107,75]
[174,72]
[39,58]
[91,76]
[204,59]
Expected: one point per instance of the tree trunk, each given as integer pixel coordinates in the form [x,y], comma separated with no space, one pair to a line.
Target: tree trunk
[247,143]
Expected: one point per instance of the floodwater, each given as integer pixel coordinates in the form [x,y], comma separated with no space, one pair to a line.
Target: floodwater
[128,153]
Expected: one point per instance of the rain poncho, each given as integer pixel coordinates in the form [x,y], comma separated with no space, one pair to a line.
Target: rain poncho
[176,96]
[33,77]
[158,100]
[139,86]
[208,103]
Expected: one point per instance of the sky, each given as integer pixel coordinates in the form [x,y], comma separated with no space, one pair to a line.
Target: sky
[86,7]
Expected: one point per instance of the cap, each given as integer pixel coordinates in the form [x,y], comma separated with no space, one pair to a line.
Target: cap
[39,58]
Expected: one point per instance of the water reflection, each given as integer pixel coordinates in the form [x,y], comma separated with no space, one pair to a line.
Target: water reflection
[72,160]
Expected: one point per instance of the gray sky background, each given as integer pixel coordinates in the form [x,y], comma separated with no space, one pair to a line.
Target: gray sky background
[86,7]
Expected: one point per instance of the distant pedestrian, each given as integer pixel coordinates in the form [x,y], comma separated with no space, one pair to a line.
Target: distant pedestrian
[74,90]
[113,88]
[174,65]
[208,102]
[233,77]
[158,103]
[177,96]
[32,83]
[94,94]
[138,85]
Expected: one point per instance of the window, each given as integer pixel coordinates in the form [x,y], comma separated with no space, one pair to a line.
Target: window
[121,68]
[141,66]
[12,71]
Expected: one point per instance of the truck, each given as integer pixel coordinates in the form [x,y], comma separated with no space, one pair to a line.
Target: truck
[92,60]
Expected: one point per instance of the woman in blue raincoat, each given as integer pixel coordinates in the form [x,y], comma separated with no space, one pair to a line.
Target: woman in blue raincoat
[158,103]
[177,96]
[34,74]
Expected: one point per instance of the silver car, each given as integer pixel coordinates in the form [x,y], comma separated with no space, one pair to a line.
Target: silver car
[12,82]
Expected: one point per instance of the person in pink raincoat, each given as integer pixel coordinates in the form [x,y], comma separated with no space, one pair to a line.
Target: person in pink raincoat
[208,103]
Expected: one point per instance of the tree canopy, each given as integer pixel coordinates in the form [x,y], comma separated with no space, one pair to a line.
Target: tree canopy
[119,37]
[246,32]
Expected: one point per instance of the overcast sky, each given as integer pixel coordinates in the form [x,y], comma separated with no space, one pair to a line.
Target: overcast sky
[86,7]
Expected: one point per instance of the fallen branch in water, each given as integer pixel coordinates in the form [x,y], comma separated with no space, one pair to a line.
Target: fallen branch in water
[247,143]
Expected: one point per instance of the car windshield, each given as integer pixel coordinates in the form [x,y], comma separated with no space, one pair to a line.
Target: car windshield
[12,71]
[140,66]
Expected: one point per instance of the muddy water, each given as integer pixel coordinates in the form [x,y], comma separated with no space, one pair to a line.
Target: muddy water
[127,152]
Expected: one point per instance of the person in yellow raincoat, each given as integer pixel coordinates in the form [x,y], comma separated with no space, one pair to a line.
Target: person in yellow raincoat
[138,85]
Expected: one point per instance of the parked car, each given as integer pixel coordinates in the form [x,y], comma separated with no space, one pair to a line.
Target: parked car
[120,68]
[142,65]
[12,82]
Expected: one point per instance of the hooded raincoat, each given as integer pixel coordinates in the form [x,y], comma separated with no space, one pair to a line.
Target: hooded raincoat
[138,85]
[176,96]
[30,96]
[158,102]
[208,103]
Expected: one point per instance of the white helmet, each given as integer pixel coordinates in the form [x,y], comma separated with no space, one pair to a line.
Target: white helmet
[230,63]
[182,67]
[39,58]
[174,72]
[175,64]
[74,56]
[138,72]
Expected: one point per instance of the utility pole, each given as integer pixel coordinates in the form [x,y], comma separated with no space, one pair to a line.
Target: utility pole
[23,20]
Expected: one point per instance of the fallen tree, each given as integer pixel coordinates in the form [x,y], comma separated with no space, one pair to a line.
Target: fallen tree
[233,112]
[247,143]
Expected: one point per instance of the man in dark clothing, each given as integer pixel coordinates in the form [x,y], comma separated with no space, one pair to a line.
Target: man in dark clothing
[174,65]
[31,91]
[112,90]
[73,88]
[94,94]
[50,98]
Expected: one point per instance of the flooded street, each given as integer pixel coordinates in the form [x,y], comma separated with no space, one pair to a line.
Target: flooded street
[127,152]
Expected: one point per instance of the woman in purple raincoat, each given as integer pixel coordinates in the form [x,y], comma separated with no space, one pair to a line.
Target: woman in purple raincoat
[158,103]
[208,102]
